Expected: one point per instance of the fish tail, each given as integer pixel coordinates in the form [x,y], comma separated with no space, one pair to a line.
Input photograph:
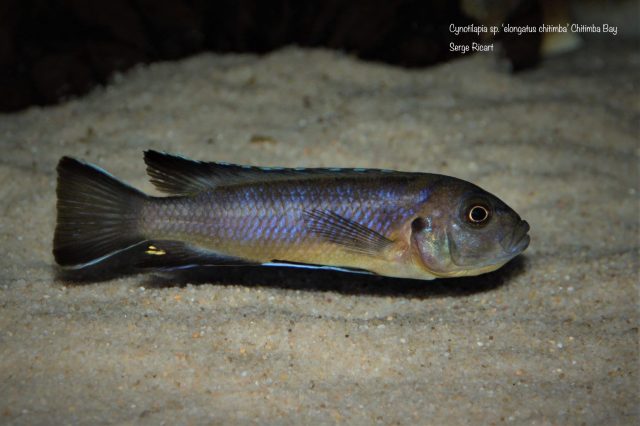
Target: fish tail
[97,215]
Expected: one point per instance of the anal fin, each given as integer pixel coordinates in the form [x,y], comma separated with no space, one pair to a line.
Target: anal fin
[167,255]
[285,264]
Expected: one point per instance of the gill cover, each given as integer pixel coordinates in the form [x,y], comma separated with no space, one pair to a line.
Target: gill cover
[431,246]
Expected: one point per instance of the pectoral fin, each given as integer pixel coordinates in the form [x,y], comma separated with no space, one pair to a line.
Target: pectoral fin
[347,233]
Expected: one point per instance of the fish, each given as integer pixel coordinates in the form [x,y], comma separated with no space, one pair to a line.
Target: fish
[375,221]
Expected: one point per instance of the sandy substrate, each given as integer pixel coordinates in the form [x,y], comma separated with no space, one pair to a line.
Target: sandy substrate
[552,338]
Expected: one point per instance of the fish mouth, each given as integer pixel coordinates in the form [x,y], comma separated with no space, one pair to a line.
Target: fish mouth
[518,240]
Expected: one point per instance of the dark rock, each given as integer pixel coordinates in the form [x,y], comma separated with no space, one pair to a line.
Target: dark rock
[108,57]
[52,49]
[116,20]
[16,92]
[175,27]
[58,76]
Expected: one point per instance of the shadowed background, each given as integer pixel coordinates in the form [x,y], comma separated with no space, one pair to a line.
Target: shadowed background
[53,50]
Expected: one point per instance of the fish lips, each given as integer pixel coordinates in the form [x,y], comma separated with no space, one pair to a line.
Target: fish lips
[518,240]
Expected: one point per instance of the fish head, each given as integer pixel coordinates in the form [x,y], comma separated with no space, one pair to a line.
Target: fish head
[462,230]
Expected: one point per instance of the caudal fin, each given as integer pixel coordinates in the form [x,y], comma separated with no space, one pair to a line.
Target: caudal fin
[97,215]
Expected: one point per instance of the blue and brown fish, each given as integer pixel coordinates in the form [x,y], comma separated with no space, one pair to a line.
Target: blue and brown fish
[398,224]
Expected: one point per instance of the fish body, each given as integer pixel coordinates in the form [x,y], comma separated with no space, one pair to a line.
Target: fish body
[411,225]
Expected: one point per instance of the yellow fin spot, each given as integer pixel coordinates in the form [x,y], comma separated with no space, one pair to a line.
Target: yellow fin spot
[155,251]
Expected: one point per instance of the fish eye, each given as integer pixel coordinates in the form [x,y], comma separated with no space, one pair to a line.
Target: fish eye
[478,214]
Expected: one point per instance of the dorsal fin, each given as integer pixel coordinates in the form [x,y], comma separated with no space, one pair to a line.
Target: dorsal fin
[178,175]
